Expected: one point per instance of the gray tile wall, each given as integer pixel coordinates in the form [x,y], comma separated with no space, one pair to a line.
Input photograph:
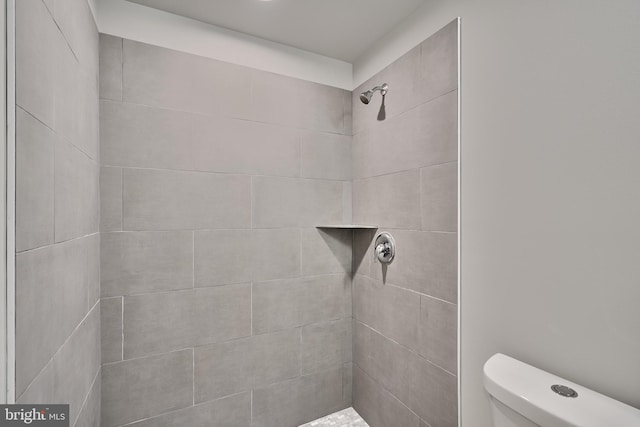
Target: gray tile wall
[57,208]
[405,181]
[222,304]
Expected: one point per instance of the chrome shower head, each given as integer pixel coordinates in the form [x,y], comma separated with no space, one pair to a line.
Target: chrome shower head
[365,97]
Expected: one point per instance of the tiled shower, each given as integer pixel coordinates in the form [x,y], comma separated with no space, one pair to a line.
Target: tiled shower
[170,204]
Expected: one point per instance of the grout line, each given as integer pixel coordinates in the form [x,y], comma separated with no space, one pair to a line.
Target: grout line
[121,69]
[420,198]
[61,137]
[147,356]
[184,408]
[171,291]
[413,291]
[122,199]
[193,259]
[219,115]
[459,223]
[122,329]
[59,348]
[364,127]
[418,168]
[193,376]
[385,389]
[222,173]
[53,184]
[251,183]
[301,346]
[184,230]
[53,18]
[410,350]
[323,322]
[299,251]
[51,245]
[86,398]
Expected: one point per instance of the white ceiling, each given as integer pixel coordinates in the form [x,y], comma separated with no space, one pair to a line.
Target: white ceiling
[341,29]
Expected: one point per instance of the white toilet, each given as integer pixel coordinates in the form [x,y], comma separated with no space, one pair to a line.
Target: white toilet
[524,396]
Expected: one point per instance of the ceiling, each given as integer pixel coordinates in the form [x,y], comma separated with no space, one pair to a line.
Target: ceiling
[341,29]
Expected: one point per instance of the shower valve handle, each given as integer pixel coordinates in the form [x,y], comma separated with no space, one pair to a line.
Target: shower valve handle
[385,248]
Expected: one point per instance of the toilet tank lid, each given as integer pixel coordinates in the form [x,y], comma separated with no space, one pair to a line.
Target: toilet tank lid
[527,390]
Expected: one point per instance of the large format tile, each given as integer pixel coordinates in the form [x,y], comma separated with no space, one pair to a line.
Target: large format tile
[392,311]
[71,374]
[242,146]
[403,78]
[111,327]
[285,100]
[90,411]
[388,201]
[110,67]
[347,382]
[289,202]
[438,333]
[58,275]
[110,199]
[275,254]
[240,365]
[93,269]
[283,304]
[222,257]
[326,345]
[76,103]
[35,145]
[326,156]
[422,74]
[347,103]
[156,200]
[439,197]
[135,262]
[146,137]
[297,401]
[428,265]
[41,389]
[75,20]
[320,202]
[325,251]
[184,82]
[347,202]
[77,363]
[77,193]
[39,45]
[439,62]
[363,241]
[230,411]
[275,202]
[165,321]
[426,389]
[141,388]
[376,405]
[424,136]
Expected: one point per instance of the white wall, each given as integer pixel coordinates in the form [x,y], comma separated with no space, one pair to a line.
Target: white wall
[144,24]
[550,186]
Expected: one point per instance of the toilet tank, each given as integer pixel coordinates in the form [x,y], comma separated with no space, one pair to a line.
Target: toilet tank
[524,396]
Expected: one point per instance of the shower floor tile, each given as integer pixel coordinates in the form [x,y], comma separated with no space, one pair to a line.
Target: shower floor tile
[345,418]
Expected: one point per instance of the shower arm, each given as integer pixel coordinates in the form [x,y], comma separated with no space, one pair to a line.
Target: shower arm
[383,89]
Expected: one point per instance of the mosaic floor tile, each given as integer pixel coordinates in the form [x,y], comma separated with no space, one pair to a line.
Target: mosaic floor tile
[345,418]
